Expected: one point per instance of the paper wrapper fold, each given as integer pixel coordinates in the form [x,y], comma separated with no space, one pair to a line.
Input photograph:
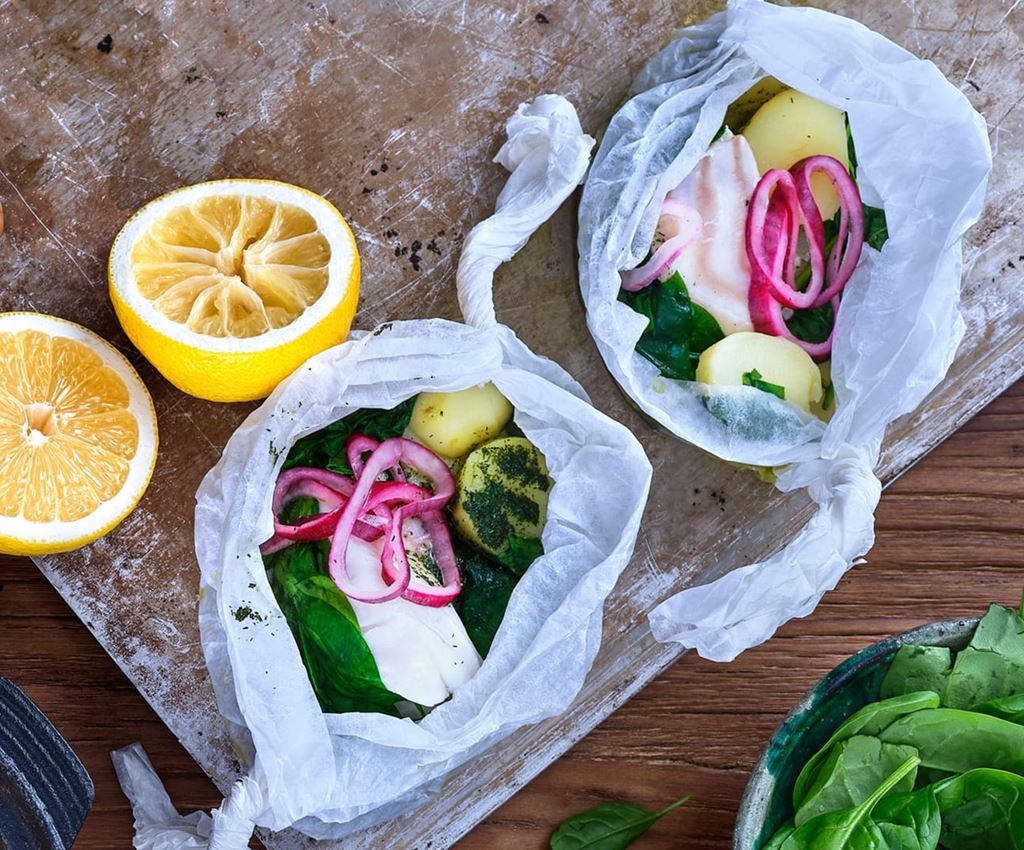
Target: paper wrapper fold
[328,775]
[923,156]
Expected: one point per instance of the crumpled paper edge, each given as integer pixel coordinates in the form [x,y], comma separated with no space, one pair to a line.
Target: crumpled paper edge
[725,55]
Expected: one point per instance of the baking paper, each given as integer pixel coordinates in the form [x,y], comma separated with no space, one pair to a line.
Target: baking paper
[328,775]
[923,156]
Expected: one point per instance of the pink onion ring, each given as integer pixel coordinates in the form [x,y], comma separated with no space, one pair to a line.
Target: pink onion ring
[850,240]
[688,226]
[783,202]
[330,489]
[430,595]
[359,445]
[275,544]
[364,497]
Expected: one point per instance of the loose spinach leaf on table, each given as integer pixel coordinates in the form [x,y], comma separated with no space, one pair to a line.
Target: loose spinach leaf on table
[958,741]
[870,720]
[917,668]
[852,828]
[609,826]
[486,589]
[856,767]
[340,665]
[326,448]
[992,666]
[982,810]
[677,331]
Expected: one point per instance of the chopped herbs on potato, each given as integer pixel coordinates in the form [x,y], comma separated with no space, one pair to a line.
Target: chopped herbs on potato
[502,493]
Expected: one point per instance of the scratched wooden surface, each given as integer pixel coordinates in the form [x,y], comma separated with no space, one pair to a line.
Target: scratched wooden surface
[393,111]
[949,542]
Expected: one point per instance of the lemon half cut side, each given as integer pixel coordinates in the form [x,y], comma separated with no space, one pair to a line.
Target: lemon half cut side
[78,435]
[228,286]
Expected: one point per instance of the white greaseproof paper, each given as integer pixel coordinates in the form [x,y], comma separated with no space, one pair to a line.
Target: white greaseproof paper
[923,156]
[328,775]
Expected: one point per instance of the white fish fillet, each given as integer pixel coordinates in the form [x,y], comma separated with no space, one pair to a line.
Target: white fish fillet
[715,266]
[422,653]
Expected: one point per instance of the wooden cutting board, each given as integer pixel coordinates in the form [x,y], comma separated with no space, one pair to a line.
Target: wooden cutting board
[393,111]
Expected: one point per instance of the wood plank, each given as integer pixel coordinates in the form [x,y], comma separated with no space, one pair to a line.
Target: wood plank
[90,136]
[698,729]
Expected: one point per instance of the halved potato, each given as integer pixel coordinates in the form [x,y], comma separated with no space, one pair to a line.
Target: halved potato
[503,490]
[762,358]
[742,109]
[451,424]
[792,126]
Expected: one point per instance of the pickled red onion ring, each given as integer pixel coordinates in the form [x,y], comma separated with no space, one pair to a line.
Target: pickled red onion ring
[369,508]
[782,203]
[687,224]
[330,489]
[394,559]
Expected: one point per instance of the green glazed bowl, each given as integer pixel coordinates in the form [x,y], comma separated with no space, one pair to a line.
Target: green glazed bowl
[768,800]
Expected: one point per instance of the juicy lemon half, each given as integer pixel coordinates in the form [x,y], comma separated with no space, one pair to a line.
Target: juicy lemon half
[77,435]
[227,287]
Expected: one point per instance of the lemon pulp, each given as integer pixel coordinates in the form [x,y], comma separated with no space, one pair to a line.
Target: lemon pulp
[232,266]
[67,435]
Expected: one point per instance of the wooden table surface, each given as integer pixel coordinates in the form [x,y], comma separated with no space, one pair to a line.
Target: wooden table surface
[324,94]
[949,542]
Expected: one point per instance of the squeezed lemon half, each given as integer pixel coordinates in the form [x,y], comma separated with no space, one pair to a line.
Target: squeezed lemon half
[78,435]
[227,287]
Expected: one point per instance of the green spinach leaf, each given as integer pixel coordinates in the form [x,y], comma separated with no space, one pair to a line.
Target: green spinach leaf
[958,741]
[1009,708]
[870,720]
[917,668]
[876,231]
[910,821]
[982,810]
[486,589]
[326,448]
[677,329]
[813,324]
[992,666]
[520,553]
[780,837]
[853,771]
[341,667]
[298,508]
[852,828]
[754,379]
[609,826]
[851,151]
[876,228]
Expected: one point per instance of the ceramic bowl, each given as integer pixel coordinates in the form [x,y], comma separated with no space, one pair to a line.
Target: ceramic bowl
[45,792]
[768,800]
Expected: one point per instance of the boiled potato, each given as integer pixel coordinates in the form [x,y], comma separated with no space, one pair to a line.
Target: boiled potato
[451,424]
[778,361]
[792,126]
[503,489]
[742,109]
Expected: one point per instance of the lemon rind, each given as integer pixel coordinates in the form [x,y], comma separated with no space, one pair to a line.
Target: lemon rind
[329,221]
[19,536]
